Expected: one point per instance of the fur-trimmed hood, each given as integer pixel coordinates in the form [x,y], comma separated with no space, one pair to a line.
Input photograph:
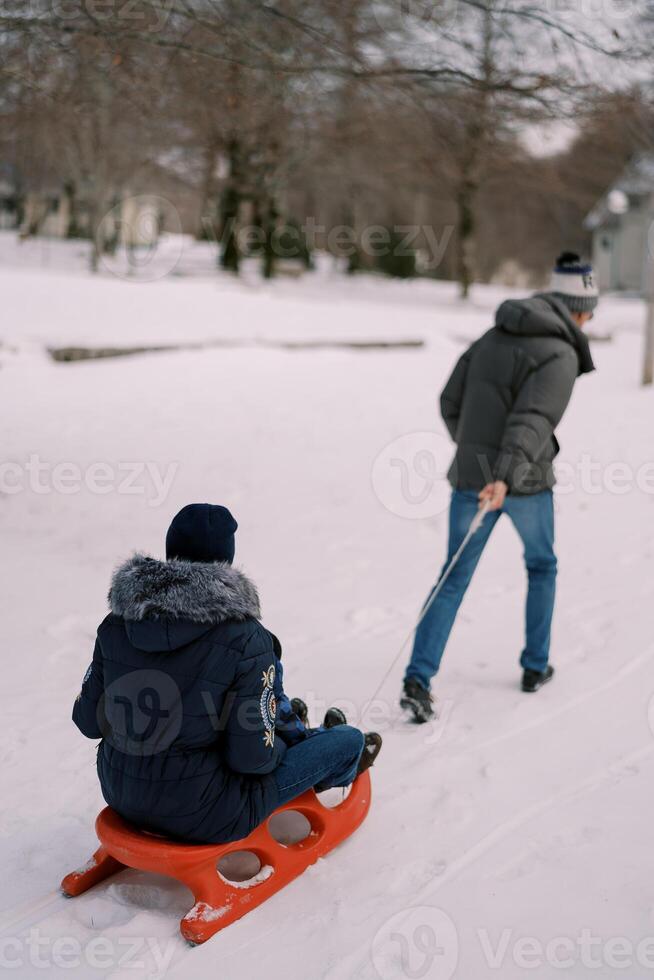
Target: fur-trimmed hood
[145,588]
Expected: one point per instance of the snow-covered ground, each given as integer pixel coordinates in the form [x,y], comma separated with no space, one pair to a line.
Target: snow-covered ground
[510,839]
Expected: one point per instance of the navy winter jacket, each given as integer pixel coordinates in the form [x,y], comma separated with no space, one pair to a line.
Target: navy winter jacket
[181,692]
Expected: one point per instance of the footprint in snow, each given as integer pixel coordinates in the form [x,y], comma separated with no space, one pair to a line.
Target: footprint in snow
[519,867]
[145,895]
[97,913]
[577,838]
[371,619]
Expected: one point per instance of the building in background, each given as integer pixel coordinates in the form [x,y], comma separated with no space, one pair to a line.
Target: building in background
[158,199]
[622,226]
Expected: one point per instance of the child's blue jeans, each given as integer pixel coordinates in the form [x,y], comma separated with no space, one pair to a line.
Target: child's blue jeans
[325,758]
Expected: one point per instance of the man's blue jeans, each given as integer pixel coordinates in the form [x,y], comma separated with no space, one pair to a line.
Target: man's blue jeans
[326,758]
[533,518]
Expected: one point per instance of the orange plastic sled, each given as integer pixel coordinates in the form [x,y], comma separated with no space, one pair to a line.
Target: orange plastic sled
[219,902]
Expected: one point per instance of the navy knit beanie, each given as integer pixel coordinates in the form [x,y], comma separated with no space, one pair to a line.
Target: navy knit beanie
[573,282]
[202,532]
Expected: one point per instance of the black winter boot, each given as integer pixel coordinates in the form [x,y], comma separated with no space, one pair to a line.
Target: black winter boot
[532,680]
[299,708]
[334,717]
[417,700]
[371,749]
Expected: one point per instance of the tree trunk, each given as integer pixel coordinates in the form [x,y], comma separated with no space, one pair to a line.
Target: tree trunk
[648,364]
[270,226]
[206,189]
[466,235]
[477,136]
[230,258]
[95,231]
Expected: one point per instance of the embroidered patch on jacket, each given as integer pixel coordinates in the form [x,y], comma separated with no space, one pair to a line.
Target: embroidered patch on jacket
[268,706]
[88,673]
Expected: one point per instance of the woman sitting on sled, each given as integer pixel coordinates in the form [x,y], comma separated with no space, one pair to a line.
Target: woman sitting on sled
[199,741]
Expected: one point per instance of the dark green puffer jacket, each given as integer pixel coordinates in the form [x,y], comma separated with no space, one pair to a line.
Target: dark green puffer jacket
[509,391]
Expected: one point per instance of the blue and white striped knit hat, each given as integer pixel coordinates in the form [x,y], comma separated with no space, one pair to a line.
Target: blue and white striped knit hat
[573,282]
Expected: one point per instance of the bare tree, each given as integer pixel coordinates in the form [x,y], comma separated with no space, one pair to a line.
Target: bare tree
[369,111]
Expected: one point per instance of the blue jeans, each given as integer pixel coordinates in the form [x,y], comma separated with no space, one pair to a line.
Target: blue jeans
[325,758]
[533,519]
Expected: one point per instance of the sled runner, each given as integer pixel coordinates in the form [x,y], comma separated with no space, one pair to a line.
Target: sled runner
[219,902]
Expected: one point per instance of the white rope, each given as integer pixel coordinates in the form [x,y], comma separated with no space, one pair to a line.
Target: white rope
[475,524]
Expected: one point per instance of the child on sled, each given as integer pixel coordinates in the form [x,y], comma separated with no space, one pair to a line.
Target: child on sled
[198,739]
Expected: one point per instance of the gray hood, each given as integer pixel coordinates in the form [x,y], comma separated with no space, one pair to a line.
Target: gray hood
[544,315]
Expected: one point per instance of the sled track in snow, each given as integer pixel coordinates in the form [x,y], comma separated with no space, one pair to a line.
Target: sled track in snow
[574,702]
[16,921]
[574,792]
[425,894]
[29,914]
[22,916]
